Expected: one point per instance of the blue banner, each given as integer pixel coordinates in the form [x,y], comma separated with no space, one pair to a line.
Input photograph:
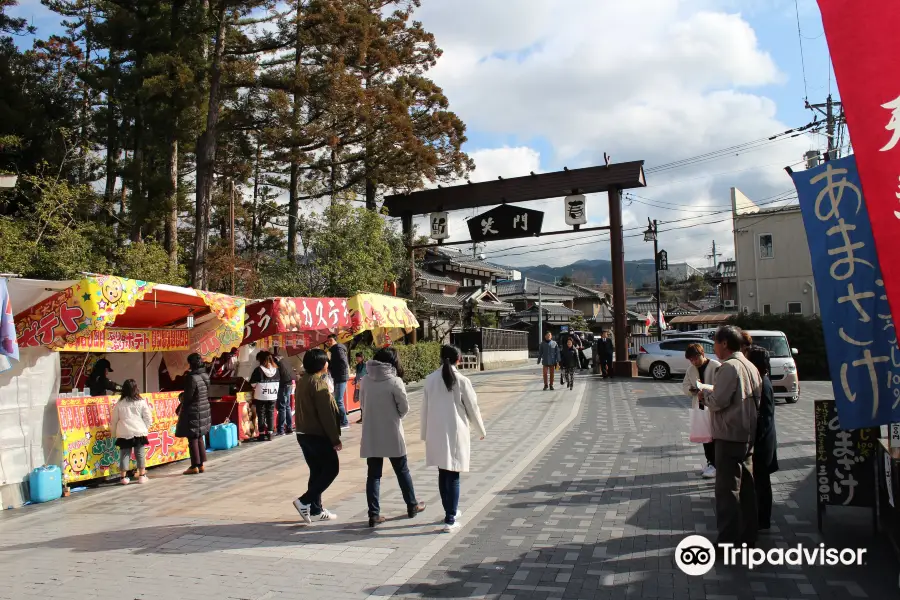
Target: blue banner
[8,347]
[860,338]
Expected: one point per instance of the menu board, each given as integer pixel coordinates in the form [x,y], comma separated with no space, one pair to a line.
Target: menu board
[845,461]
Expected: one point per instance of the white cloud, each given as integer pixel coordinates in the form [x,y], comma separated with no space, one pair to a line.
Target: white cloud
[658,80]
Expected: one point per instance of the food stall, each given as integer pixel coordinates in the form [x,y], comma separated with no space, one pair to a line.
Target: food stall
[142,329]
[387,318]
[287,326]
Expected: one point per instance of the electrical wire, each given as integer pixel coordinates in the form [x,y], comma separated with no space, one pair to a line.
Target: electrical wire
[802,59]
[593,238]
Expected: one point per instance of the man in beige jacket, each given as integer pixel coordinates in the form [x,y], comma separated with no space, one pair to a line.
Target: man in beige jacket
[734,402]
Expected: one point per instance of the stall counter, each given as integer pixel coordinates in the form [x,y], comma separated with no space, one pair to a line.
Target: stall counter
[88,448]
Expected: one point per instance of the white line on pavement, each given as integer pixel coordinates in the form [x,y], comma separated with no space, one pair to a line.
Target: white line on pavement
[405,573]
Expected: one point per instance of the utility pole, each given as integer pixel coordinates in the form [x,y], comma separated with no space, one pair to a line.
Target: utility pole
[656,263]
[831,123]
[540,316]
[714,256]
[232,238]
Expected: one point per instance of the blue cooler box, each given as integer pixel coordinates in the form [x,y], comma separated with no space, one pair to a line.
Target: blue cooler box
[223,437]
[45,483]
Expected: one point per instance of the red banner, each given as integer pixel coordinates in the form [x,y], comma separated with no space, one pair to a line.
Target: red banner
[296,315]
[864,40]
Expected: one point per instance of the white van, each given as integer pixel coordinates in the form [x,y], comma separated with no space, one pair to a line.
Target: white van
[785,380]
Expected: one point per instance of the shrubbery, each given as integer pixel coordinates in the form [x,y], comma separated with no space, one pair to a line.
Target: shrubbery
[803,333]
[418,360]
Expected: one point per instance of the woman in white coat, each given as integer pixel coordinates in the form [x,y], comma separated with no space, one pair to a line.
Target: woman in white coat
[448,406]
[384,404]
[704,370]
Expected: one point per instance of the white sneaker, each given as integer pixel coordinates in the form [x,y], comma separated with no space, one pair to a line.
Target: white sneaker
[326,515]
[124,481]
[303,509]
[448,528]
[709,472]
[143,479]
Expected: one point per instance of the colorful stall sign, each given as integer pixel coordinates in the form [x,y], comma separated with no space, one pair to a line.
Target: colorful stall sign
[131,340]
[271,321]
[9,349]
[860,336]
[89,451]
[381,315]
[864,44]
[89,305]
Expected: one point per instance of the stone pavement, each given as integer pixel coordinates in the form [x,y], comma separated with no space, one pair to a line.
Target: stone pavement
[581,494]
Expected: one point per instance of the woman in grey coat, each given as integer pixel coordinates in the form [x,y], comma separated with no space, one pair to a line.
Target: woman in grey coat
[383,405]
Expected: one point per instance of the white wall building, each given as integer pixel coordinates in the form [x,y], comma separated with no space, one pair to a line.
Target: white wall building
[774,269]
[679,272]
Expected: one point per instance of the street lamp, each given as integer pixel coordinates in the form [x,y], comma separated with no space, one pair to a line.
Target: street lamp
[651,235]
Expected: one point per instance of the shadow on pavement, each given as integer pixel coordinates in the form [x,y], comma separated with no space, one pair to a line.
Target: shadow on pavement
[642,565]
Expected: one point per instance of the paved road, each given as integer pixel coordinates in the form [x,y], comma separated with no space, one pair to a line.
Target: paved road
[580,494]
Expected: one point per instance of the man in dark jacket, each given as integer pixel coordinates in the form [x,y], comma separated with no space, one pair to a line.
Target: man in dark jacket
[285,381]
[339,368]
[605,354]
[194,416]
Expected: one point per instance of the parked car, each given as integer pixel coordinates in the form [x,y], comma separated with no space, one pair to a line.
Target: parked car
[663,359]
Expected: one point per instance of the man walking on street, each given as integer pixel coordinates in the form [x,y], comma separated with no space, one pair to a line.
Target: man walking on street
[548,356]
[733,403]
[605,354]
[339,368]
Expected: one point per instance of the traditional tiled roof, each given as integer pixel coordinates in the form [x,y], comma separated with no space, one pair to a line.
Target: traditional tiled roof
[585,292]
[554,310]
[443,256]
[530,287]
[439,300]
[650,307]
[435,278]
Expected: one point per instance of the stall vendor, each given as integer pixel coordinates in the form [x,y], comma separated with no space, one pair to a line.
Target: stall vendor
[98,382]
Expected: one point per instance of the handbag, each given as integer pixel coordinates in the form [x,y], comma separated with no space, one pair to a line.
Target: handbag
[701,427]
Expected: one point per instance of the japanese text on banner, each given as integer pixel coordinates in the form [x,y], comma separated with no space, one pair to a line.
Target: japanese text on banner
[89,450]
[861,339]
[863,42]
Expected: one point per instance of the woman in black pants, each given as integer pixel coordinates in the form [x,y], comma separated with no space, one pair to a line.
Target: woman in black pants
[318,426]
[193,414]
[765,448]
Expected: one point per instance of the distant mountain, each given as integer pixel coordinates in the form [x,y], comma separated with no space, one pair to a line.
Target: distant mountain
[637,272]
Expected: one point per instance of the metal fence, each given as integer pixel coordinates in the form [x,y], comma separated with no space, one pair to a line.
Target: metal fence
[488,339]
[639,339]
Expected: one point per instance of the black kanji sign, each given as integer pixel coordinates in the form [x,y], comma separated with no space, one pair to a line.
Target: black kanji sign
[505,222]
[662,261]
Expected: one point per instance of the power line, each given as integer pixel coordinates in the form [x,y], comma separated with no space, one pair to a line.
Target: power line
[593,238]
[802,59]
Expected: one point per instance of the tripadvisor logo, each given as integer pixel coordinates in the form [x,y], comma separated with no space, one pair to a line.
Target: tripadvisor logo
[695,555]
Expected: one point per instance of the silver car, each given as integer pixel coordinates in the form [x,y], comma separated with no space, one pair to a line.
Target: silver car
[663,359]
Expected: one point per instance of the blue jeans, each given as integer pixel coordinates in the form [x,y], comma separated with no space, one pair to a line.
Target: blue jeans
[339,390]
[284,408]
[373,482]
[448,485]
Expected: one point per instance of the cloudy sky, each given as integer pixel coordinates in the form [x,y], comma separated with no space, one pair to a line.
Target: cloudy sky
[544,84]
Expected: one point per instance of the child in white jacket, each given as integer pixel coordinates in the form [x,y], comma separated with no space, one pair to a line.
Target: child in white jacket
[130,422]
